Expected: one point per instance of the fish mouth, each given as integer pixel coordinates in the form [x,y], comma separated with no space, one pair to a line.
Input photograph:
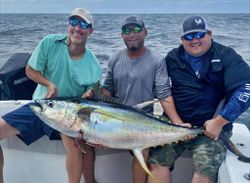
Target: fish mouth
[38,103]
[36,106]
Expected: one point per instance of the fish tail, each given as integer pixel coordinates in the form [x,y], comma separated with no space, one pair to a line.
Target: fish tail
[140,158]
[244,158]
[234,149]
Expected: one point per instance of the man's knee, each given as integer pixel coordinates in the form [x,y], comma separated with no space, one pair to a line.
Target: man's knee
[154,166]
[6,130]
[2,131]
[157,167]
[197,177]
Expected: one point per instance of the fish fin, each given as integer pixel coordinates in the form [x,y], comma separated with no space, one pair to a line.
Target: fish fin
[138,154]
[80,144]
[234,149]
[84,113]
[145,104]
[162,118]
[98,95]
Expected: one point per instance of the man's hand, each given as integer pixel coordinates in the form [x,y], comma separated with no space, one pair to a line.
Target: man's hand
[39,78]
[214,126]
[87,94]
[184,124]
[188,125]
[52,91]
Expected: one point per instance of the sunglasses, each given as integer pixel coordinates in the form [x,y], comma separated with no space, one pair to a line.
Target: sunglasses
[83,25]
[196,35]
[128,30]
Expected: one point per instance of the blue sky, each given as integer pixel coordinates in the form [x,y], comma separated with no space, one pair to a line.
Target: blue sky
[126,6]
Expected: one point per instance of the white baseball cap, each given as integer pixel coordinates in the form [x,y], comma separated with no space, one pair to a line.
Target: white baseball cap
[84,14]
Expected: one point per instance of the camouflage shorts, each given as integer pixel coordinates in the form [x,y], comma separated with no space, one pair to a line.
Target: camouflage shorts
[207,154]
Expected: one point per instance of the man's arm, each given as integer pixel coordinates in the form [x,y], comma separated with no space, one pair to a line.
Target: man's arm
[106,92]
[37,77]
[169,108]
[236,105]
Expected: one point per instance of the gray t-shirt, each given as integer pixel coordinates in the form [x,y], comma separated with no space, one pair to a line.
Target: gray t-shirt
[135,81]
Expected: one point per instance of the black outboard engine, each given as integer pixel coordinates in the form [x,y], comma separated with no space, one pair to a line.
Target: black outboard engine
[14,84]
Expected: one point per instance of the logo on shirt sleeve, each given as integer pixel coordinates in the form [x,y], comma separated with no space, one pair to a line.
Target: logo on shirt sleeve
[246,95]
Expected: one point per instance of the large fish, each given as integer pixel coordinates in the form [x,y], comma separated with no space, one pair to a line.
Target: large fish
[109,124]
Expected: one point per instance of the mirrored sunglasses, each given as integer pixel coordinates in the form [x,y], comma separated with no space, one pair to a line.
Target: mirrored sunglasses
[134,29]
[83,25]
[196,35]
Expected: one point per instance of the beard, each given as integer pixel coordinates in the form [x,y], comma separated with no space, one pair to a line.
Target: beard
[134,48]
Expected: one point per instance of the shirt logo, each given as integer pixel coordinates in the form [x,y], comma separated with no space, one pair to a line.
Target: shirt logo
[247,86]
[215,60]
[197,74]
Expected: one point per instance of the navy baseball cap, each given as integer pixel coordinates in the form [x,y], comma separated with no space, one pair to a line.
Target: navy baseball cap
[195,24]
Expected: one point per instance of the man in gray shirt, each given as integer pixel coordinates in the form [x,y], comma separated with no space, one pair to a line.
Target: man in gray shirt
[135,75]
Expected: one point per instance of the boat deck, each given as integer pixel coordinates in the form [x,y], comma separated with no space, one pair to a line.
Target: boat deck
[43,161]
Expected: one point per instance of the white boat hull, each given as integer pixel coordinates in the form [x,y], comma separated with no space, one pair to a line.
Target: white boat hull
[232,170]
[43,161]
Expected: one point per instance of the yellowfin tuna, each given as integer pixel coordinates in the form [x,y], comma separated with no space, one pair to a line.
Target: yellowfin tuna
[109,124]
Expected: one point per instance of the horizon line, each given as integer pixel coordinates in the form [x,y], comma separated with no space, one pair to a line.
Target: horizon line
[132,13]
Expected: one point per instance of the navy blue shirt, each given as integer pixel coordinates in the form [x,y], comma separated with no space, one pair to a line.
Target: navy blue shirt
[221,72]
[237,103]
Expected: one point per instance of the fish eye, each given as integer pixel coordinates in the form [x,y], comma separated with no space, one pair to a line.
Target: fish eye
[50,104]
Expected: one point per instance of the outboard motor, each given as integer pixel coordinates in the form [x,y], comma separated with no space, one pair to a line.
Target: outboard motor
[14,84]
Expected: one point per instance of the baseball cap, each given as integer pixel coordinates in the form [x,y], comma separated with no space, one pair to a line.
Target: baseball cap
[133,20]
[195,24]
[84,14]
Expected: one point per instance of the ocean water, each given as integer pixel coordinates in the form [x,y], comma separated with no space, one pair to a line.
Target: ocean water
[22,32]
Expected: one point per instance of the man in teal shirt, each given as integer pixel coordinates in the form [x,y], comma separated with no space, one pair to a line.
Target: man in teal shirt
[62,66]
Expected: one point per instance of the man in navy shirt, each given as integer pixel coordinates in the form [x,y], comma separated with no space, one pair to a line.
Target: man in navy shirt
[203,73]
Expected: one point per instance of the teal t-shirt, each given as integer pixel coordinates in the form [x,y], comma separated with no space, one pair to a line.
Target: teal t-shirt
[72,77]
